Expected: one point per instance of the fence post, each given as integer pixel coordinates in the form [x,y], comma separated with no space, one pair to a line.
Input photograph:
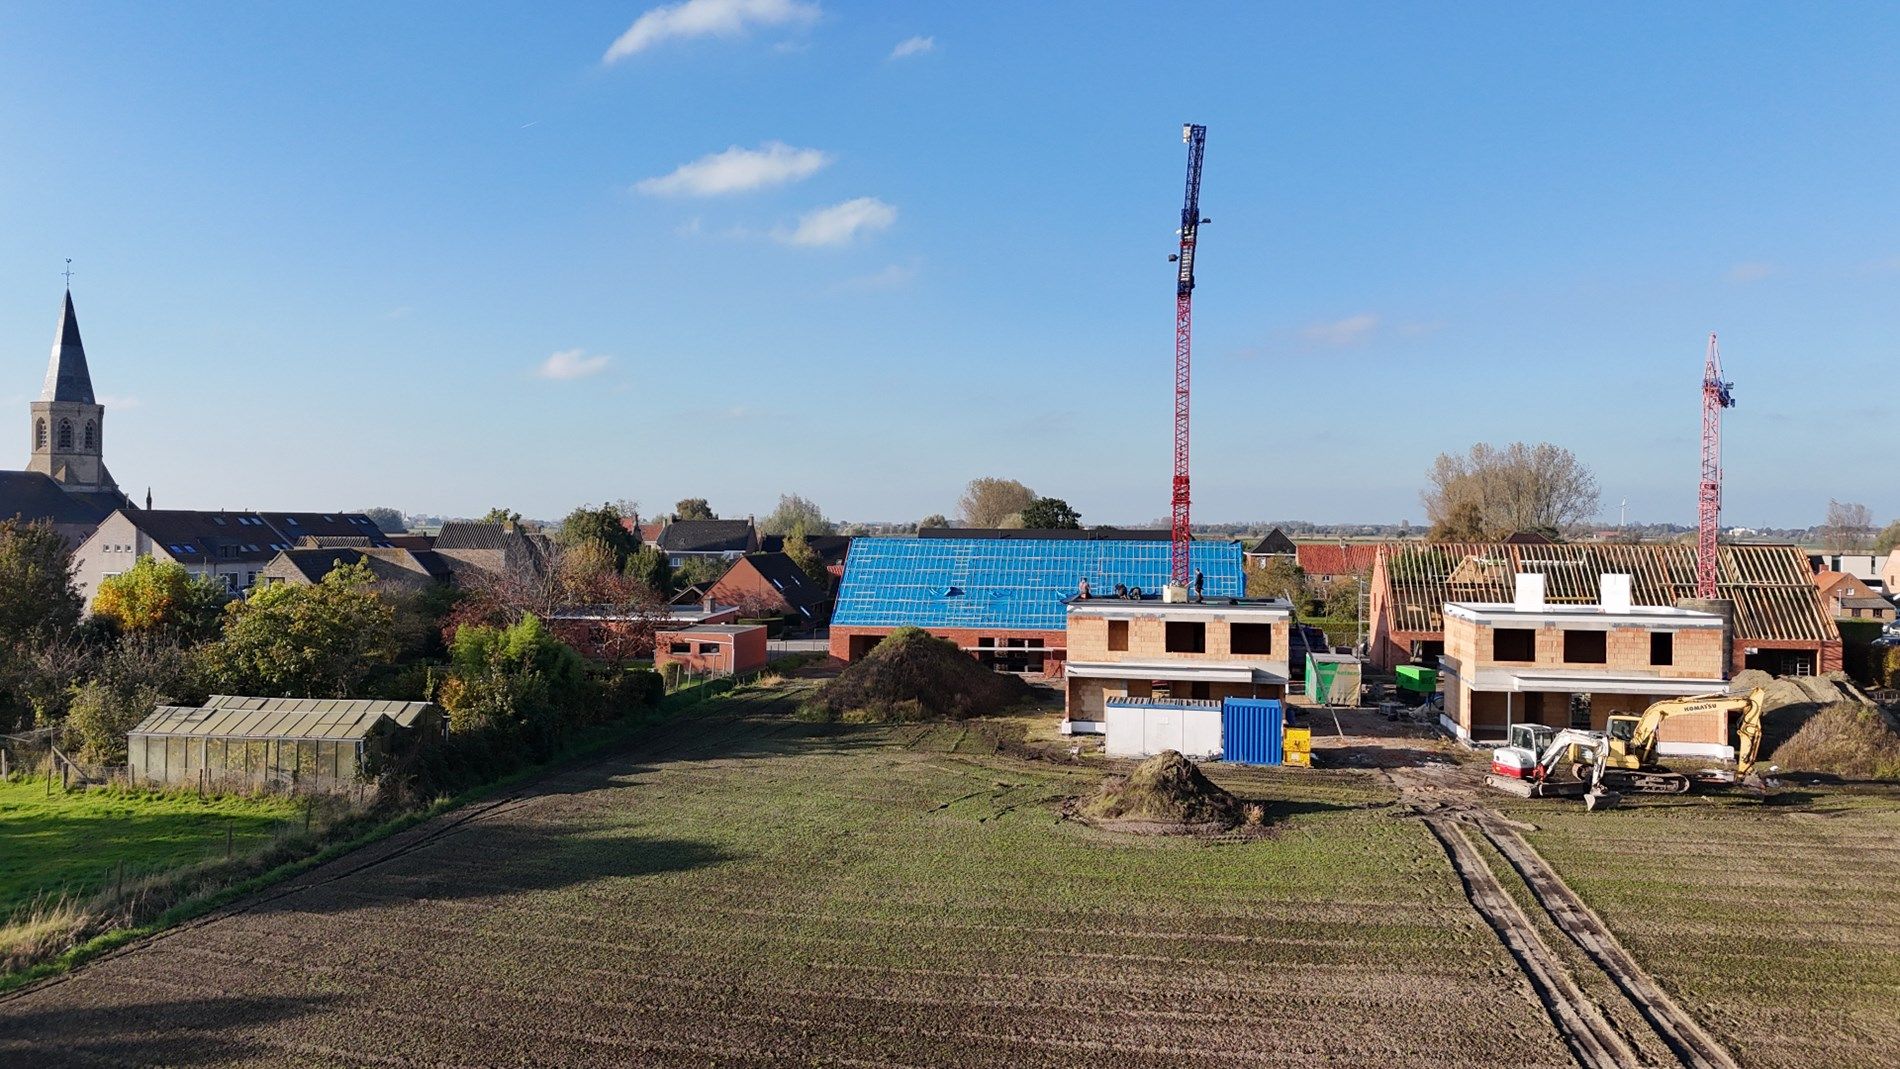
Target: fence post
[121,893]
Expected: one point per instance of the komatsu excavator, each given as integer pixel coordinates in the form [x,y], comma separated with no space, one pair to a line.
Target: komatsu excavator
[1630,759]
[1621,757]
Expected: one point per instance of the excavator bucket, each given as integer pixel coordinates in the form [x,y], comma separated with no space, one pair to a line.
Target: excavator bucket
[1596,800]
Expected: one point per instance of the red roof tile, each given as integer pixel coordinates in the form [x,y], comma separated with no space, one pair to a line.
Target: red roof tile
[1337,558]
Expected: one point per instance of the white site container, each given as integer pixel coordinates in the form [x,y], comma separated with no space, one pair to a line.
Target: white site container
[1143,730]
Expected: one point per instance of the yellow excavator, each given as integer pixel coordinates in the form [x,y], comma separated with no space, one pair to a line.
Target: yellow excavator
[1629,759]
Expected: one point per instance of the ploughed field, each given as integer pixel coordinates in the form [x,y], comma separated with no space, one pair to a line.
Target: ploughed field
[746,889]
[1777,926]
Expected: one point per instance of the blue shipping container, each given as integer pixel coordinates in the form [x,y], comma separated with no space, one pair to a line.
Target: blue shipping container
[1252,730]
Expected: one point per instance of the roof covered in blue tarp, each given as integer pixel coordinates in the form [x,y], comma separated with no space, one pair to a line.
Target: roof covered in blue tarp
[1005,583]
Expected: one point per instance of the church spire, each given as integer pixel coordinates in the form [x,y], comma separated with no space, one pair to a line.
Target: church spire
[67,378]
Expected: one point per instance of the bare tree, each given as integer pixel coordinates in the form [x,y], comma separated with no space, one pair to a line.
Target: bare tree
[988,502]
[578,577]
[1849,527]
[1493,493]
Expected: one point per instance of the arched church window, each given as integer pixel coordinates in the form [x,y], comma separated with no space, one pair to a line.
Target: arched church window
[65,434]
[92,435]
[39,434]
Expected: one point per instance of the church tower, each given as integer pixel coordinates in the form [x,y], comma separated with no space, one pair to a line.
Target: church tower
[67,425]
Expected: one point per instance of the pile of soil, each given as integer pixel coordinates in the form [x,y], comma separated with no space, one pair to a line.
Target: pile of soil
[1791,701]
[1166,794]
[1845,739]
[913,676]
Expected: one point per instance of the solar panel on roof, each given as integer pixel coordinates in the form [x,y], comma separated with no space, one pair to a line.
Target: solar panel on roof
[999,583]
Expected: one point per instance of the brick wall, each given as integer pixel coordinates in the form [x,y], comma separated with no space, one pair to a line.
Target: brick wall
[1147,640]
[852,643]
[1697,653]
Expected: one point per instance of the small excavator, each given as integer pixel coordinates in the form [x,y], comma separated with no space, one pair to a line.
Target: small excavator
[1621,757]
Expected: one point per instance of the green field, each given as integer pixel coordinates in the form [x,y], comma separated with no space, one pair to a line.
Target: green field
[1776,925]
[61,843]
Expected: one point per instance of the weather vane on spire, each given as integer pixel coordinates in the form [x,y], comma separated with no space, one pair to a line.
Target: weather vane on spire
[69,272]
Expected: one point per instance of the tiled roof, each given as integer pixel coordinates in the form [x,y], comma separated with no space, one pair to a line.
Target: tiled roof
[1006,583]
[786,577]
[191,536]
[707,536]
[1336,558]
[31,495]
[1274,543]
[1773,590]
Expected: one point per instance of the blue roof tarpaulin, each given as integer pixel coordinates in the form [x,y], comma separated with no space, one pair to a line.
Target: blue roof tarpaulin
[1017,584]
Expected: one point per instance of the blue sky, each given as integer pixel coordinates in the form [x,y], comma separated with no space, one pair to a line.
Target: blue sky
[443,256]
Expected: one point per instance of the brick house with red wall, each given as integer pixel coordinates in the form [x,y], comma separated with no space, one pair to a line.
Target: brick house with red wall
[770,584]
[712,649]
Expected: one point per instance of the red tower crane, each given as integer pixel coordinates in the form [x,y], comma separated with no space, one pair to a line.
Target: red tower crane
[1180,564]
[1717,395]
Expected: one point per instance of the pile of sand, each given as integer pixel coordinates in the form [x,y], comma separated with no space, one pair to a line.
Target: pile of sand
[1166,793]
[1845,739]
[912,676]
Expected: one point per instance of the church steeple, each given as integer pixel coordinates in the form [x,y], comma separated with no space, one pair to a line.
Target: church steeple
[67,377]
[67,424]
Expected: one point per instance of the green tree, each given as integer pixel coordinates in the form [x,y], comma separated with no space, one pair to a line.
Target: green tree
[697,570]
[649,567]
[1280,578]
[515,677]
[136,675]
[1888,539]
[155,596]
[796,515]
[1051,514]
[500,515]
[319,641]
[693,508]
[987,502]
[603,526]
[808,560]
[37,596]
[387,520]
[1463,523]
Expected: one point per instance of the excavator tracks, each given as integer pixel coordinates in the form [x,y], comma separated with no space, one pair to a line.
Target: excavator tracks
[1591,1034]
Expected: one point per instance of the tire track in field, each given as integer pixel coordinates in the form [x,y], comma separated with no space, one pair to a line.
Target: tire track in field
[1590,1037]
[1447,811]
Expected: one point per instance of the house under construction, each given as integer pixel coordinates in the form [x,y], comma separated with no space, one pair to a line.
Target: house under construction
[1780,625]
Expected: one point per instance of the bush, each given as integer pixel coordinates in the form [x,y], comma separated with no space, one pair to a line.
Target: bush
[520,679]
[131,680]
[913,676]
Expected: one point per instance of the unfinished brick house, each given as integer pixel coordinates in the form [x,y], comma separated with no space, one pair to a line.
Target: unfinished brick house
[1003,600]
[1145,648]
[1780,625]
[1529,661]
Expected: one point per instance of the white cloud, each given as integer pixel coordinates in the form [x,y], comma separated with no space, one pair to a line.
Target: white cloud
[706,18]
[1340,333]
[914,46]
[840,223]
[571,364]
[737,170]
[1750,271]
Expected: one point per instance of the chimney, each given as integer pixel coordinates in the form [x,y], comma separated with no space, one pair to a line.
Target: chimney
[1613,593]
[1529,595]
[706,603]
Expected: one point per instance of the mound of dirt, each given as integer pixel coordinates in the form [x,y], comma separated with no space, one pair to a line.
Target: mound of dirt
[913,676]
[1845,739]
[1166,793]
[1791,701]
